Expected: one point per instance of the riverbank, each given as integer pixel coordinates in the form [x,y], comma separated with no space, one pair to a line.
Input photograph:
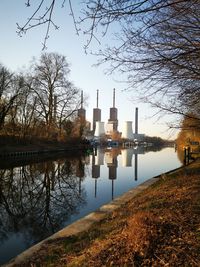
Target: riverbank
[39,145]
[13,155]
[158,227]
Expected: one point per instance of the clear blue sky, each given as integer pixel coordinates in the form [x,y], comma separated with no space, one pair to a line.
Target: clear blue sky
[16,53]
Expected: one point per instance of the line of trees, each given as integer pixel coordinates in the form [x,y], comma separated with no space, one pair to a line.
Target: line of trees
[40,102]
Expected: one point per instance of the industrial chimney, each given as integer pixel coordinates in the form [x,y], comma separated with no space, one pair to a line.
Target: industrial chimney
[81,111]
[96,113]
[113,122]
[136,120]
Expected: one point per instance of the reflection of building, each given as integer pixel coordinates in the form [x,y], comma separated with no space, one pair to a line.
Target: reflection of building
[112,163]
[127,157]
[97,160]
[80,172]
[95,169]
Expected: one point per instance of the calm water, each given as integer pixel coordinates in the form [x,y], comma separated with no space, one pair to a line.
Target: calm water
[38,199]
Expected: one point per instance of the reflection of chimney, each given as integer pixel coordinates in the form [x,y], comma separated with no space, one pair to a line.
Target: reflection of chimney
[136,121]
[97,160]
[112,189]
[136,167]
[112,164]
[95,168]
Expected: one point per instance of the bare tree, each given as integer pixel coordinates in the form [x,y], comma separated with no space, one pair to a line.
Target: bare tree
[26,112]
[57,97]
[11,88]
[43,14]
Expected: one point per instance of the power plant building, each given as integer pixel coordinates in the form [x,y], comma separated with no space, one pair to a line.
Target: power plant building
[127,131]
[100,129]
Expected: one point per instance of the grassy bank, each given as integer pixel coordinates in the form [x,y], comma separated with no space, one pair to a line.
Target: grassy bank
[159,227]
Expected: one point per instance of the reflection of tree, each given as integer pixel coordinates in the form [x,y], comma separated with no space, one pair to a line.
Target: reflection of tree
[37,199]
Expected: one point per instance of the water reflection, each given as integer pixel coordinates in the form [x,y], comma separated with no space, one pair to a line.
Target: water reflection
[38,199]
[109,156]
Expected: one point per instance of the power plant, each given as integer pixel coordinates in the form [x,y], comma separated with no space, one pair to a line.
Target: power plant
[101,130]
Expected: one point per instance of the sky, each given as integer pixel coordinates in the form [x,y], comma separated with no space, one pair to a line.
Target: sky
[17,52]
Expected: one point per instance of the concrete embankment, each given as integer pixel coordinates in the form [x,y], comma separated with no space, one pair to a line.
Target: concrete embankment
[85,223]
[18,157]
[37,151]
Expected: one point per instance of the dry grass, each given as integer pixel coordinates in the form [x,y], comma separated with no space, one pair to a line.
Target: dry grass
[160,227]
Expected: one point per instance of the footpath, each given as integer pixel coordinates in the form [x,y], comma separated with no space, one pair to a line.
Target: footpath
[157,224]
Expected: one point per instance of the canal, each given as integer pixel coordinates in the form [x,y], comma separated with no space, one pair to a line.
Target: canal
[40,198]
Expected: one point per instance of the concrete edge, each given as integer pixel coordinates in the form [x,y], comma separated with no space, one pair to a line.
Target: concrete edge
[86,222]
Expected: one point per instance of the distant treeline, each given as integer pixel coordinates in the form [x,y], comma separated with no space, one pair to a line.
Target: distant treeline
[158,141]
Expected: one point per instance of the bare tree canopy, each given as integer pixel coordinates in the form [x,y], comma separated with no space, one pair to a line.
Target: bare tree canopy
[40,101]
[11,88]
[57,97]
[43,14]
[156,48]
